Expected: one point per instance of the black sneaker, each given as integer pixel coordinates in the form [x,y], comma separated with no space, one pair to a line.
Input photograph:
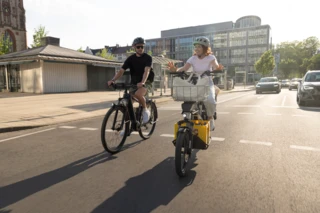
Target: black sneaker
[215,116]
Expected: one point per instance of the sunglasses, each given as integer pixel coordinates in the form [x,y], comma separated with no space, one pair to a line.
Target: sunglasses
[139,47]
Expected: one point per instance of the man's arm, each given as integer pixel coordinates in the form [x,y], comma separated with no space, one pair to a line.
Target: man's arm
[145,75]
[118,74]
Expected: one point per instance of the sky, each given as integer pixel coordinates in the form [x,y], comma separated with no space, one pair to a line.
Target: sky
[96,23]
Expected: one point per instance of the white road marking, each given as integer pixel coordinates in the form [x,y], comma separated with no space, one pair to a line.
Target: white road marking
[256,142]
[292,107]
[248,106]
[219,102]
[284,100]
[304,148]
[245,113]
[167,135]
[300,115]
[90,129]
[67,127]
[20,136]
[273,114]
[217,139]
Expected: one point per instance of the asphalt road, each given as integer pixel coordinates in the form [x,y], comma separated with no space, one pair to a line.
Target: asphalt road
[264,157]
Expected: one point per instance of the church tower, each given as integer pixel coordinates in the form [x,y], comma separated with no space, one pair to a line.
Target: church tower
[13,23]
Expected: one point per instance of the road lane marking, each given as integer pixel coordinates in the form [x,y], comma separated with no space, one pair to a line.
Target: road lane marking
[308,148]
[300,115]
[284,100]
[212,138]
[273,114]
[167,135]
[245,113]
[219,102]
[292,107]
[26,135]
[90,129]
[248,106]
[67,127]
[217,139]
[256,142]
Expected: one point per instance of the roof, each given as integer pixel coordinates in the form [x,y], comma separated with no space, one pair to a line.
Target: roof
[162,60]
[51,52]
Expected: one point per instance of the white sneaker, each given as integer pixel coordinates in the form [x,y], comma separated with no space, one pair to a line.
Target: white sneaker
[145,115]
[122,133]
[212,124]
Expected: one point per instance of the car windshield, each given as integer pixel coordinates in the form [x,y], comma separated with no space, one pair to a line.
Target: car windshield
[313,77]
[268,80]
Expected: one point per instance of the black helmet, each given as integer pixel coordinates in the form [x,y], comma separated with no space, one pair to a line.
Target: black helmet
[138,40]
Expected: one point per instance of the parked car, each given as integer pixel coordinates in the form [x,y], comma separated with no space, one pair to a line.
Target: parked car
[294,83]
[285,83]
[309,88]
[268,84]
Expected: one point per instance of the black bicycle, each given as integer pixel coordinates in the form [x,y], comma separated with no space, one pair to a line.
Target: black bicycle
[122,119]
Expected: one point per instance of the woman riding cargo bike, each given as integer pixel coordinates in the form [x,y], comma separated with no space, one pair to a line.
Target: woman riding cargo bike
[199,104]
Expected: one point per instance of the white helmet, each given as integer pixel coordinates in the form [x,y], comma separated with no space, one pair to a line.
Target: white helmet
[203,41]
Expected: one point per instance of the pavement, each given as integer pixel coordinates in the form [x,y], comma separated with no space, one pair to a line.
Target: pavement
[264,157]
[23,110]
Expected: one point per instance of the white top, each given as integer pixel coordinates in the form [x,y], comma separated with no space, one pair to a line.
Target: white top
[201,65]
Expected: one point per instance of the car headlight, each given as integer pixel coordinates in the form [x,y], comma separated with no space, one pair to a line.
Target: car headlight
[308,87]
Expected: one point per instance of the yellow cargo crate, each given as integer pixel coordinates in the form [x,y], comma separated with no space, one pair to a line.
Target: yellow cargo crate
[201,133]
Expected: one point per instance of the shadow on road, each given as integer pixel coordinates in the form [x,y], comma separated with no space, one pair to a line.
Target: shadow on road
[144,193]
[18,191]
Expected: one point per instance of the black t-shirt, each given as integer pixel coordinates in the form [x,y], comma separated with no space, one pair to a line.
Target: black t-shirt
[137,65]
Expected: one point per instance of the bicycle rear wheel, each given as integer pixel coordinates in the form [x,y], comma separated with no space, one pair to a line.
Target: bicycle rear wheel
[114,129]
[147,129]
[182,155]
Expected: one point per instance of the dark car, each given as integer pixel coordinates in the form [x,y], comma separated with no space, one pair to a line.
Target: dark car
[309,88]
[269,84]
[285,83]
[294,83]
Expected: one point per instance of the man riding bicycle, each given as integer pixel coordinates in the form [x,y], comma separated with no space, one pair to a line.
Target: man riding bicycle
[139,65]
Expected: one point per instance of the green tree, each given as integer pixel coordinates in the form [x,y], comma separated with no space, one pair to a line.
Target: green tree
[38,35]
[265,64]
[131,51]
[287,67]
[80,50]
[5,45]
[149,52]
[104,54]
[314,63]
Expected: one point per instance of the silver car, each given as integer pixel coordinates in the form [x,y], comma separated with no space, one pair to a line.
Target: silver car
[309,88]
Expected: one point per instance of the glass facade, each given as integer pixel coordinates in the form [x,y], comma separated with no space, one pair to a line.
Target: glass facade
[238,56]
[220,40]
[237,39]
[248,21]
[259,36]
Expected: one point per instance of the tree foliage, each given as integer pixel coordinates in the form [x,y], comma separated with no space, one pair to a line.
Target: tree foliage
[38,35]
[5,45]
[265,64]
[104,54]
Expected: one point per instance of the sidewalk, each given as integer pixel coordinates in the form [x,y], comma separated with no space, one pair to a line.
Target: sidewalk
[21,111]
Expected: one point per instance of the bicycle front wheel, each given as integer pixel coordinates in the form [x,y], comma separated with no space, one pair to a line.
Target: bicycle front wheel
[114,129]
[182,155]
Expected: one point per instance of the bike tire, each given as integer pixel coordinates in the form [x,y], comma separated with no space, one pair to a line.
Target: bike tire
[154,117]
[180,154]
[103,129]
